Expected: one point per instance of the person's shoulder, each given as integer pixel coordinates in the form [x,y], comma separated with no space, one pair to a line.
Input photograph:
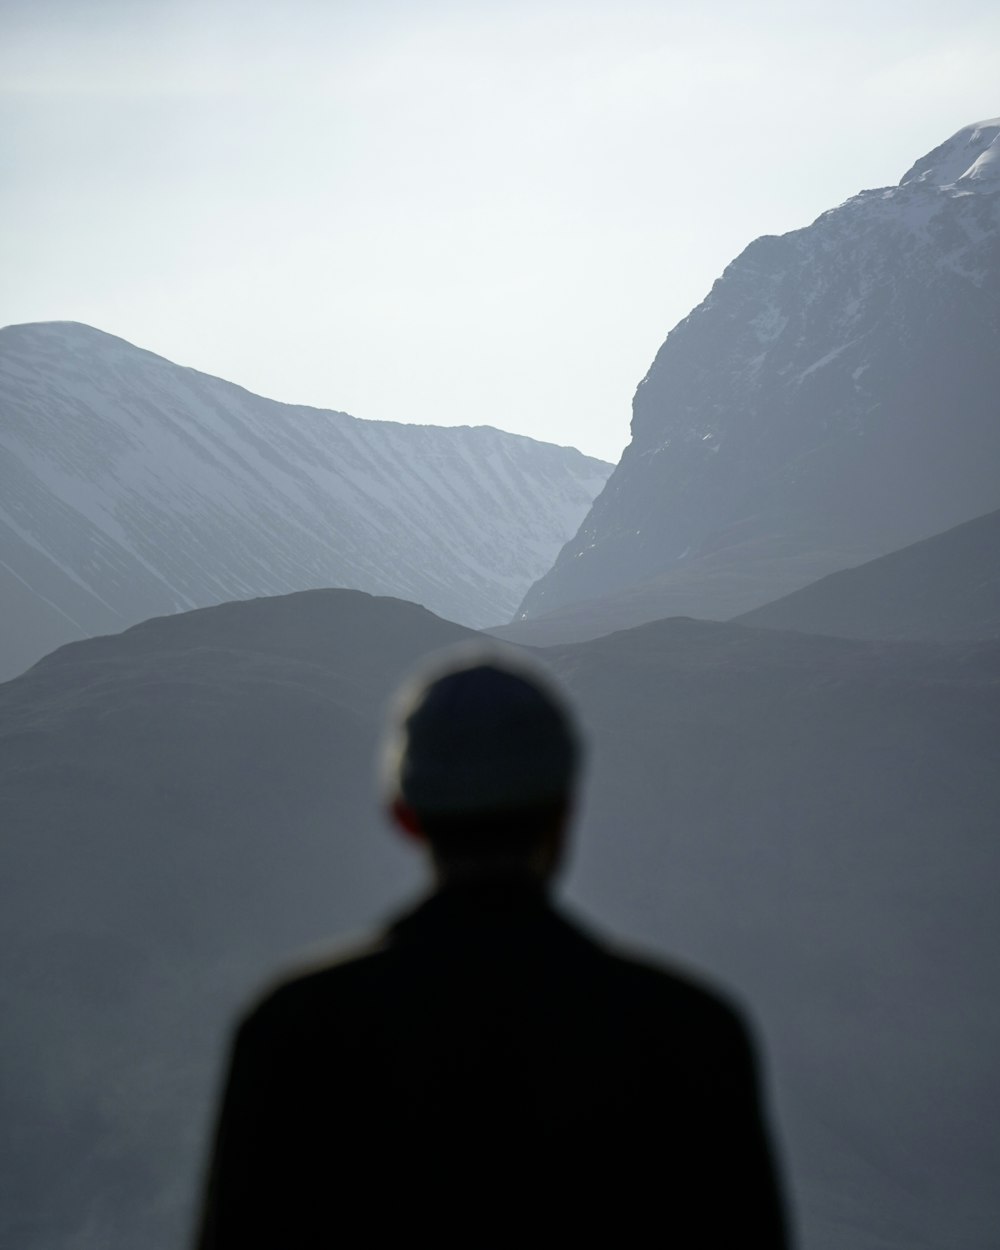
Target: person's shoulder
[669,987]
[303,990]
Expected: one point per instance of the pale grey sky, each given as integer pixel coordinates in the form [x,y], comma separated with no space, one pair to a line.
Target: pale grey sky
[444,212]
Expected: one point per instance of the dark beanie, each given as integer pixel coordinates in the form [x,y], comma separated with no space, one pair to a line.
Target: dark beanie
[479,732]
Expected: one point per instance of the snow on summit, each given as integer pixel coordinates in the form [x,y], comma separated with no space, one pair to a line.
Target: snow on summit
[971,155]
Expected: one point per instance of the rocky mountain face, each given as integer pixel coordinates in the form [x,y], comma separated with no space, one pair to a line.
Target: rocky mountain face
[944,589]
[833,399]
[131,487]
[810,820]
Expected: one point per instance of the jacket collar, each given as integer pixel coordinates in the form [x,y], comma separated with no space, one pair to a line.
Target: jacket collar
[478,905]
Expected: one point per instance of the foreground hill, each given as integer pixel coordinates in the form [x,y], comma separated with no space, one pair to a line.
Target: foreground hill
[833,399]
[131,487]
[810,819]
[944,589]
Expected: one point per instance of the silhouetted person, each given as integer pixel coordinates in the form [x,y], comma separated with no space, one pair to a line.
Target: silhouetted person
[484,1071]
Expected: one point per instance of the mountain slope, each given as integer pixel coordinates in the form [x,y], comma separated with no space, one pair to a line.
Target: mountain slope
[810,819]
[131,487]
[944,589]
[833,399]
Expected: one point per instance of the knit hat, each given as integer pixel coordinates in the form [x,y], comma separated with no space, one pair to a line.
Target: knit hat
[479,731]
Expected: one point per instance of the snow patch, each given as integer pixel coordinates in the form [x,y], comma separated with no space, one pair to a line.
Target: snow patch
[957,158]
[822,362]
[986,169]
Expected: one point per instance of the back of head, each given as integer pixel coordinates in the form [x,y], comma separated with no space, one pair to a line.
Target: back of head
[484,751]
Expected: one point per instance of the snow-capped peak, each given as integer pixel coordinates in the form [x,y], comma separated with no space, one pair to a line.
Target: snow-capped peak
[970,156]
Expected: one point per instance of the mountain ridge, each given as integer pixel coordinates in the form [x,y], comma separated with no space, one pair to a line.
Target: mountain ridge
[945,588]
[130,487]
[833,396]
[809,820]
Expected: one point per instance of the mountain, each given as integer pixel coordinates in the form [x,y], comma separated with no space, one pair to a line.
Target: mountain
[833,399]
[131,487]
[812,820]
[945,589]
[220,766]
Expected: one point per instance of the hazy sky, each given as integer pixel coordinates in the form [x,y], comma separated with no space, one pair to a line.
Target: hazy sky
[465,213]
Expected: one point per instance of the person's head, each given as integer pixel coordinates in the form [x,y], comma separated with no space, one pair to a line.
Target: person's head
[480,762]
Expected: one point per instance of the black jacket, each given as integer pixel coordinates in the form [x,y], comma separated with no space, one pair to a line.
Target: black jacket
[483,1072]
